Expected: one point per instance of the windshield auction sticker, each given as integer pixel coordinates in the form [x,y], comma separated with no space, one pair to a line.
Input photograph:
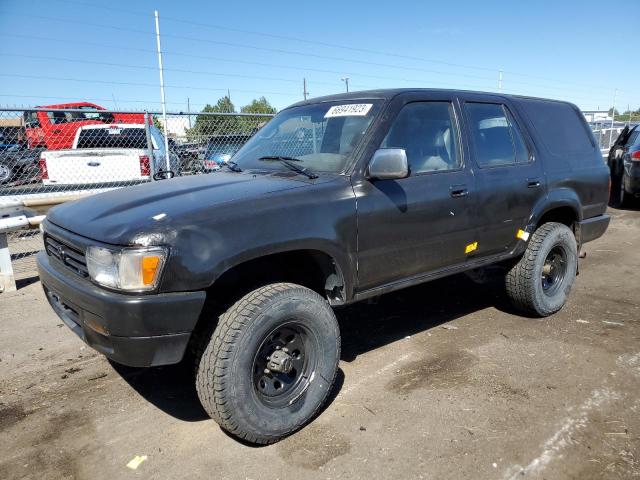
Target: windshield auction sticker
[351,110]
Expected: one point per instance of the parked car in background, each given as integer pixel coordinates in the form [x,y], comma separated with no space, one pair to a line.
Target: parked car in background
[219,151]
[624,166]
[107,154]
[56,130]
[19,166]
[12,138]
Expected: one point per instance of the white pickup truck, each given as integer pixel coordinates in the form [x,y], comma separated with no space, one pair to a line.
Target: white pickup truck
[107,154]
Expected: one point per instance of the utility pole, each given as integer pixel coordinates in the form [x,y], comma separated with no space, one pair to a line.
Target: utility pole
[162,97]
[304,88]
[188,112]
[346,82]
[500,81]
[613,116]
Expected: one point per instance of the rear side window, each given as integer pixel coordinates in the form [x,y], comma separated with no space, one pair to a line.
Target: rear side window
[496,137]
[634,139]
[561,127]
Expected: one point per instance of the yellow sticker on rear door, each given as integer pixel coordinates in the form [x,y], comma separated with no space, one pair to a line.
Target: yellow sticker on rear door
[471,247]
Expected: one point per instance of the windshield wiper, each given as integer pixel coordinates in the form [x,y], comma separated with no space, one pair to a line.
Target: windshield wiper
[288,162]
[233,166]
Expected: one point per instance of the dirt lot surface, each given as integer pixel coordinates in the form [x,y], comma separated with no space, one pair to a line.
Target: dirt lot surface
[439,381]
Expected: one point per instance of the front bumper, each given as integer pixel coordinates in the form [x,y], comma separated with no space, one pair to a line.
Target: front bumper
[139,331]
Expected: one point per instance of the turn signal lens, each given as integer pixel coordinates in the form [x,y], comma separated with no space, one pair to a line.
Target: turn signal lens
[150,269]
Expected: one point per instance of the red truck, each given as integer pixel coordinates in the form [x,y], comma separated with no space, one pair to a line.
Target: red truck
[56,130]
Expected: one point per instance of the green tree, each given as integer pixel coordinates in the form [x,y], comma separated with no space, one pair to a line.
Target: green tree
[260,105]
[158,123]
[207,126]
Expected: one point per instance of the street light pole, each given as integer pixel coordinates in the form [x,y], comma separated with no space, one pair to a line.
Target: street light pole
[162,97]
[346,82]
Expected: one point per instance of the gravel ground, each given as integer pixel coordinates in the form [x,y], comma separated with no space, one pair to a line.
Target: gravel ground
[438,381]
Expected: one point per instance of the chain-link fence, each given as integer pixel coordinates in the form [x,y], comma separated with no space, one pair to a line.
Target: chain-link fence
[606,134]
[46,154]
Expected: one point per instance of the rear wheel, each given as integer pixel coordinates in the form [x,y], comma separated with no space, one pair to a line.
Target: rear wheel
[540,282]
[270,363]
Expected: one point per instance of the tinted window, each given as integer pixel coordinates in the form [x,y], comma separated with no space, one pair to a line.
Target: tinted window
[634,139]
[427,133]
[562,129]
[31,120]
[59,117]
[522,152]
[112,138]
[495,138]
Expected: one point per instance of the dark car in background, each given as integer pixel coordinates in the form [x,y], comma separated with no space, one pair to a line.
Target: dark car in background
[624,165]
[219,151]
[17,163]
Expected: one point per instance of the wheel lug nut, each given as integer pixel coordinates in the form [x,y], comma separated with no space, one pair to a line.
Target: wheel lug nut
[267,371]
[285,350]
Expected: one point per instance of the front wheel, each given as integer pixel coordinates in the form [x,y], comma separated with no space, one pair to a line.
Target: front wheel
[270,363]
[540,282]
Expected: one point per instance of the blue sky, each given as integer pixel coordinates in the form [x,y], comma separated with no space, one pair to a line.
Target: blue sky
[54,51]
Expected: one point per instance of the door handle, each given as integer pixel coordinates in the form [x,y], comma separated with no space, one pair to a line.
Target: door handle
[457,191]
[533,183]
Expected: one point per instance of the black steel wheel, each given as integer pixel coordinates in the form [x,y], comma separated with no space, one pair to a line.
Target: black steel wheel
[284,364]
[540,282]
[270,363]
[554,270]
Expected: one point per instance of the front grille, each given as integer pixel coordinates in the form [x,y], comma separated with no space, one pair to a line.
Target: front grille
[69,256]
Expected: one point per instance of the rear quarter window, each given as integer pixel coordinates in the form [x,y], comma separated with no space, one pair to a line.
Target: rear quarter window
[560,127]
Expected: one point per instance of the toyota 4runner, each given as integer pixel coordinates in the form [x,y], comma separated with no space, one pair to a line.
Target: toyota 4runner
[335,200]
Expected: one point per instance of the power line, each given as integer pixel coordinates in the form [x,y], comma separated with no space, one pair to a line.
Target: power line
[143,67]
[327,44]
[136,84]
[297,68]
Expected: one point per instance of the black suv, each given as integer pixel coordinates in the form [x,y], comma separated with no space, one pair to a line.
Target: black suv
[335,200]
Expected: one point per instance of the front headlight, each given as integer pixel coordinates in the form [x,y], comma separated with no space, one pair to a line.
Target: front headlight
[133,269]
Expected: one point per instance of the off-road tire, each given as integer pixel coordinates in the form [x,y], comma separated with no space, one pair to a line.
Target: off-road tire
[225,373]
[524,283]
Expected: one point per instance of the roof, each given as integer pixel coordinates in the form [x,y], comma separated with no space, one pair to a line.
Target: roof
[387,94]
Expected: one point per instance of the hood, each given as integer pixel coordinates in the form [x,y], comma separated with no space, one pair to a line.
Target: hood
[147,214]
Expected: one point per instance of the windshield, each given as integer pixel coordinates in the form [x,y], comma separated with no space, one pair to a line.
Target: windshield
[321,136]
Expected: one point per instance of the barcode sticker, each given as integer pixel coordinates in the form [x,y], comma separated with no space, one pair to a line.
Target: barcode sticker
[350,110]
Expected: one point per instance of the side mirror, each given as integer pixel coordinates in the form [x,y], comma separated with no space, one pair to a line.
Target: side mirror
[388,164]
